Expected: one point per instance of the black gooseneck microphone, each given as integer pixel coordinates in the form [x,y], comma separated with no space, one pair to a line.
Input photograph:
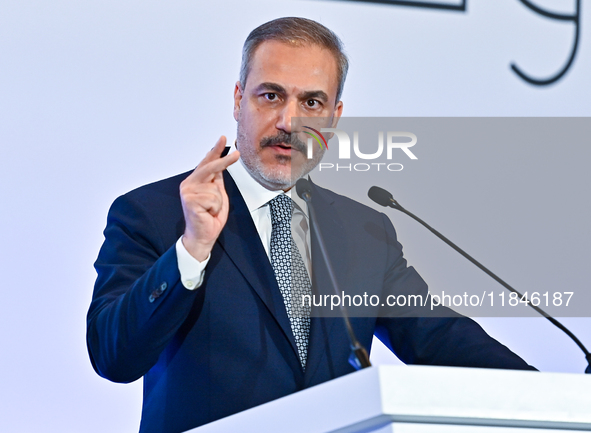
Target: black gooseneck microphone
[384,198]
[359,358]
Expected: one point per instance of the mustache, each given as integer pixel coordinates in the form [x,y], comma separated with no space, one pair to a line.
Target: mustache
[285,138]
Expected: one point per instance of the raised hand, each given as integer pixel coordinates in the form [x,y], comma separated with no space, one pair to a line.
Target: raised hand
[205,202]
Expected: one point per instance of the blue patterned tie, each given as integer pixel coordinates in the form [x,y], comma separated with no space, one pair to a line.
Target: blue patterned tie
[290,272]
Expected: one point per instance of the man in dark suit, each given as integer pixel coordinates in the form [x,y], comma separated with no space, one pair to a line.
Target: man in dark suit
[191,292]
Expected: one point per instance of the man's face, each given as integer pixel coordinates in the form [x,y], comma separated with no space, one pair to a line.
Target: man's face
[284,81]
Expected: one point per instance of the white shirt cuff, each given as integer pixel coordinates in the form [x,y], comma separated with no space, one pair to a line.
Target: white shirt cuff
[191,269]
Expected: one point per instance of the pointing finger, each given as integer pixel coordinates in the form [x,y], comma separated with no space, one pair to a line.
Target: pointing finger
[206,171]
[216,150]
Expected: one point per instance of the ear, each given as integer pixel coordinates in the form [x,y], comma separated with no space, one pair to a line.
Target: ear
[336,115]
[237,99]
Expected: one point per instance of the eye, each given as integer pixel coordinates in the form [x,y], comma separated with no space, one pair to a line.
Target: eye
[312,103]
[270,96]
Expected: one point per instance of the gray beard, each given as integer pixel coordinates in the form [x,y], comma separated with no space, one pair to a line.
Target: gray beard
[269,177]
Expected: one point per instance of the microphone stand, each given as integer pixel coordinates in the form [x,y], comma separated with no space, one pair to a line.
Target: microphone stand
[359,357]
[384,198]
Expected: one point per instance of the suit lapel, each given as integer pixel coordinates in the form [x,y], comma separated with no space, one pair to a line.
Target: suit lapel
[241,241]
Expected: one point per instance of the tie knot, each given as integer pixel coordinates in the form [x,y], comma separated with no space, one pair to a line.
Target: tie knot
[281,209]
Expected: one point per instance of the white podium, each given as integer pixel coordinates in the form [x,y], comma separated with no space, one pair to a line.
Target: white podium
[422,399]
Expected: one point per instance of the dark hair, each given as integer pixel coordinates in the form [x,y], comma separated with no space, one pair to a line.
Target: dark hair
[297,31]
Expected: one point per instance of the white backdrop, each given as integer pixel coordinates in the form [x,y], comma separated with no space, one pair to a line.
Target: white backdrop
[99,97]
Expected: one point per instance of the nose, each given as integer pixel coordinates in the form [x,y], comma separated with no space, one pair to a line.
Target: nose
[285,115]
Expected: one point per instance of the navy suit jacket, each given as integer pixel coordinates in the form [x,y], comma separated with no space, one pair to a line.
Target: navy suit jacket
[228,346]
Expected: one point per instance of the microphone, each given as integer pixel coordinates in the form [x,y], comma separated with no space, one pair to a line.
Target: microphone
[359,358]
[304,189]
[384,198]
[381,196]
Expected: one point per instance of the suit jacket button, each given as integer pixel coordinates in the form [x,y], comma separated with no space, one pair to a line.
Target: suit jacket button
[156,293]
[160,289]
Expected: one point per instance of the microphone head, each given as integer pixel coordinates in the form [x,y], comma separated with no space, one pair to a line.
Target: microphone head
[381,196]
[304,189]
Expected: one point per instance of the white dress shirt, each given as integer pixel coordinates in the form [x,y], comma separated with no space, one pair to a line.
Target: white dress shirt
[256,198]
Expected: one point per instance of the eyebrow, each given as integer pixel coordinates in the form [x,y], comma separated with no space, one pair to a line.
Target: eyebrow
[277,88]
[314,94]
[273,87]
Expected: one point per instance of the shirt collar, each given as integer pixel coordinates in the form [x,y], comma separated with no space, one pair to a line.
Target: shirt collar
[254,194]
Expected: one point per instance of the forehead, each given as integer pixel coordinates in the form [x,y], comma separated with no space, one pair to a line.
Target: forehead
[294,66]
